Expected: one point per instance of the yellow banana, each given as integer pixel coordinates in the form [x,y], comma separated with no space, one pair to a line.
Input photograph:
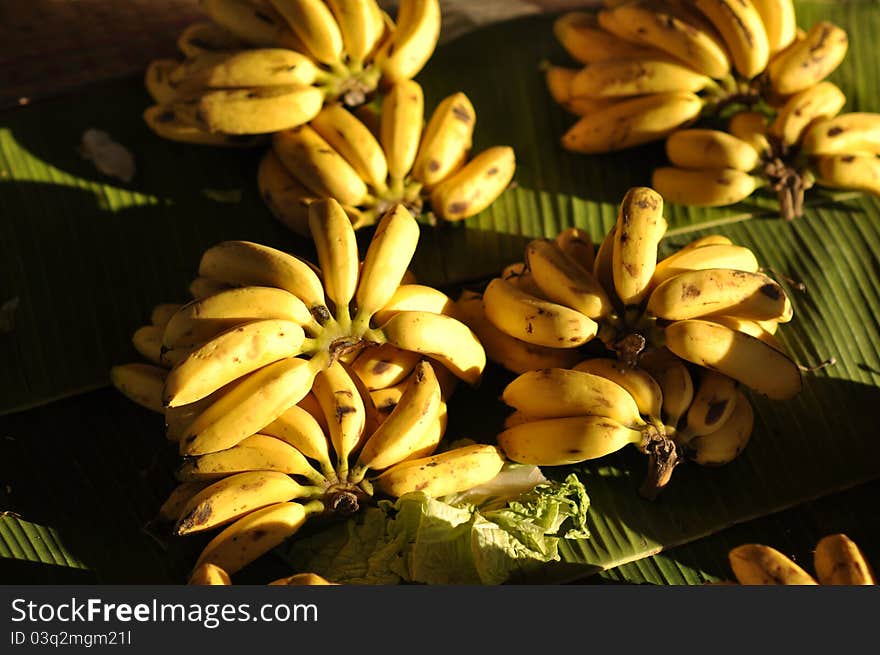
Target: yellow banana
[564,282]
[559,79]
[620,78]
[257,67]
[299,428]
[258,110]
[556,393]
[209,575]
[820,101]
[256,24]
[401,125]
[720,291]
[428,441]
[302,579]
[171,122]
[314,162]
[565,441]
[780,22]
[338,257]
[587,42]
[253,403]
[639,384]
[476,185]
[206,37]
[603,264]
[344,411]
[535,320]
[756,564]
[399,436]
[255,453]
[714,187]
[743,31]
[728,440]
[675,382]
[283,194]
[202,287]
[855,133]
[416,33]
[419,297]
[713,404]
[173,504]
[255,534]
[446,473]
[147,340]
[158,82]
[513,354]
[384,366]
[632,122]
[837,560]
[751,127]
[640,228]
[518,275]
[315,27]
[722,255]
[353,140]
[446,141]
[809,61]
[859,172]
[704,148]
[744,358]
[361,25]
[162,313]
[445,339]
[140,383]
[758,329]
[578,247]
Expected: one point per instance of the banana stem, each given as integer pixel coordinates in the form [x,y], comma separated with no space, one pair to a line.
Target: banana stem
[357,474]
[663,456]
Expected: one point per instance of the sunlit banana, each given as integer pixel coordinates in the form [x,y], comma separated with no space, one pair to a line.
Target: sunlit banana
[632,122]
[446,140]
[337,252]
[283,194]
[521,277]
[476,185]
[710,256]
[744,358]
[578,246]
[620,78]
[445,339]
[206,37]
[258,110]
[255,23]
[703,188]
[353,140]
[140,383]
[809,61]
[743,31]
[384,366]
[361,25]
[202,287]
[299,428]
[556,392]
[780,22]
[147,340]
[255,453]
[315,27]
[258,67]
[255,534]
[837,560]
[416,33]
[713,404]
[171,122]
[859,172]
[559,79]
[583,38]
[820,101]
[757,329]
[534,319]
[449,472]
[639,384]
[675,382]
[401,129]
[344,412]
[563,281]
[708,240]
[720,291]
[178,419]
[705,148]
[726,442]
[209,575]
[751,127]
[855,133]
[756,564]
[419,297]
[640,227]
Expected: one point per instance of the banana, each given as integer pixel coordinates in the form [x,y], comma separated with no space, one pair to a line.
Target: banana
[720,291]
[519,275]
[535,320]
[564,282]
[170,509]
[708,240]
[287,199]
[632,122]
[820,101]
[399,436]
[837,560]
[855,133]
[258,110]
[640,227]
[704,148]
[162,313]
[756,564]
[147,341]
[565,441]
[758,329]
[426,444]
[557,393]
[516,418]
[255,453]
[315,27]
[206,37]
[859,172]
[643,24]
[620,78]
[244,263]
[416,33]
[446,140]
[743,32]
[722,255]
[344,411]
[140,383]
[361,25]
[641,386]
[178,419]
[401,125]
[210,575]
[809,61]
[780,22]
[513,354]
[578,247]
[170,122]
[751,127]
[258,67]
[445,339]
[603,264]
[728,440]
[384,366]
[202,287]
[744,358]
[353,140]
[476,185]
[705,188]
[199,321]
[675,382]
[253,403]
[584,40]
[446,473]
[338,257]
[302,579]
[390,251]
[158,82]
[299,428]
[255,534]
[713,404]
[558,79]
[256,24]
[314,162]
[419,297]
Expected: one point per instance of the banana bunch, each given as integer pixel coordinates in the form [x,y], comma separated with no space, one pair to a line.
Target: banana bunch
[259,66]
[370,160]
[632,349]
[837,560]
[268,380]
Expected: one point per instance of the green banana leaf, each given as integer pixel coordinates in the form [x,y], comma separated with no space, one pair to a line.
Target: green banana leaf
[84,258]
